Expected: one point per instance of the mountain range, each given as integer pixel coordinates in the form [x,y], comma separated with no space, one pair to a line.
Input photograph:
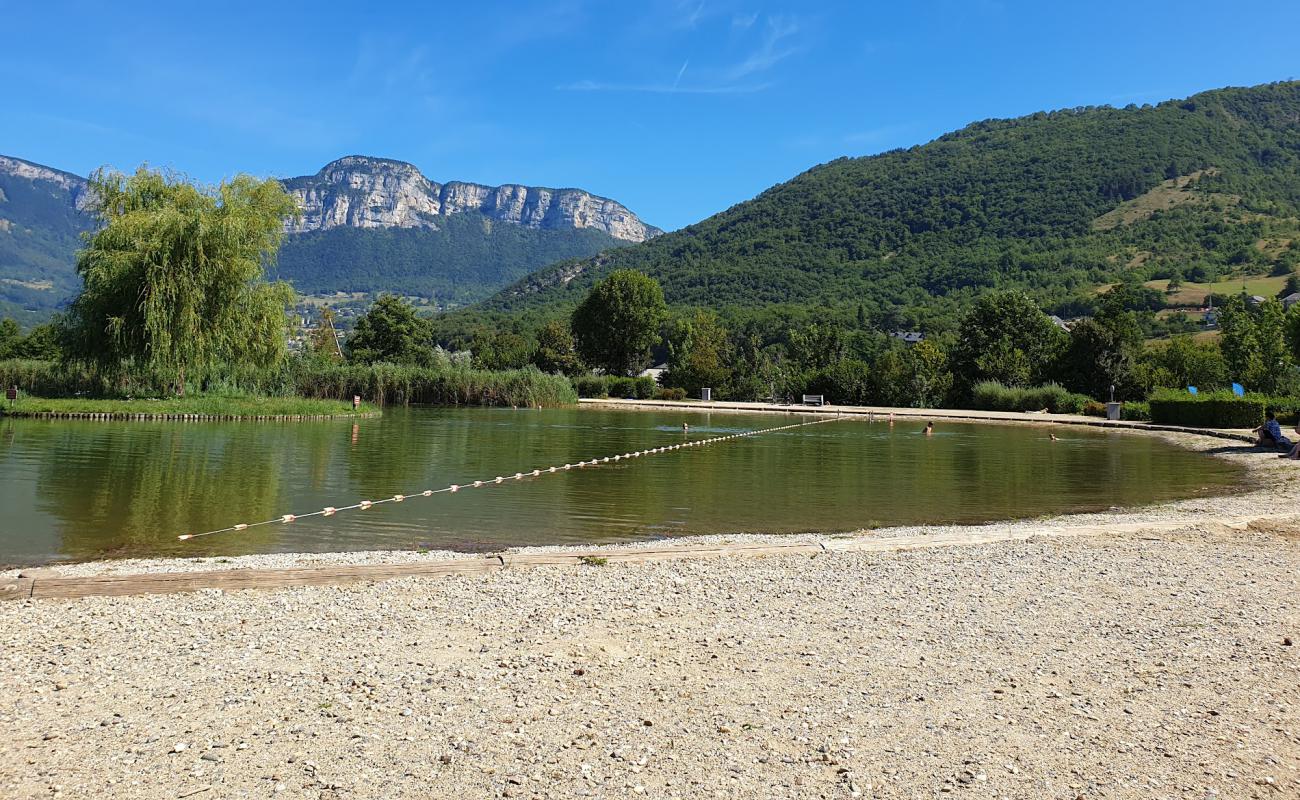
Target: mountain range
[1056,203]
[367,225]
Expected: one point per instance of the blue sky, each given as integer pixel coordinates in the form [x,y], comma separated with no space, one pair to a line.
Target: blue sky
[677,108]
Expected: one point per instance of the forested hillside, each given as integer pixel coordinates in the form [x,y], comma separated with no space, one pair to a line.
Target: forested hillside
[1055,203]
[466,258]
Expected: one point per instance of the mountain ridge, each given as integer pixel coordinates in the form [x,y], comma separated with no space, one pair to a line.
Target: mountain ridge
[913,234]
[361,215]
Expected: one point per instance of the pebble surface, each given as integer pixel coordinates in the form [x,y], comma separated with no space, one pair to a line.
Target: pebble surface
[1117,666]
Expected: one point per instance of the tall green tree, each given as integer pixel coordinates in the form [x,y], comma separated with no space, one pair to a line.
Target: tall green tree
[556,351]
[392,332]
[699,354]
[1255,344]
[174,279]
[10,333]
[1007,338]
[619,321]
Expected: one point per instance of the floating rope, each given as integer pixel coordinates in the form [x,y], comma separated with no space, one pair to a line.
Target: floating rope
[329,511]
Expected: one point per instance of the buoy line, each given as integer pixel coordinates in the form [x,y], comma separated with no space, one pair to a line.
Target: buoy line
[329,511]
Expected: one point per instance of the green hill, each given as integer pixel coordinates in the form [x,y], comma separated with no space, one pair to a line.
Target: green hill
[1055,203]
[467,258]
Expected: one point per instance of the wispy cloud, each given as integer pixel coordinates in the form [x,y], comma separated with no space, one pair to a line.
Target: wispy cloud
[776,42]
[775,47]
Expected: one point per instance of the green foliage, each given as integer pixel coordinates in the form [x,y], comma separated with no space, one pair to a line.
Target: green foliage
[845,383]
[173,280]
[1183,362]
[503,350]
[40,343]
[699,354]
[466,259]
[1206,410]
[1008,339]
[618,386]
[619,321]
[994,396]
[442,385]
[391,332]
[671,394]
[556,351]
[1104,352]
[1254,344]
[1135,410]
[917,234]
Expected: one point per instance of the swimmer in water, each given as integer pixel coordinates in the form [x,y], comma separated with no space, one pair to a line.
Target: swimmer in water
[929,429]
[686,428]
[1053,437]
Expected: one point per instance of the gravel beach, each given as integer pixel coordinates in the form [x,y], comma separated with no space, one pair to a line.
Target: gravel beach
[1143,664]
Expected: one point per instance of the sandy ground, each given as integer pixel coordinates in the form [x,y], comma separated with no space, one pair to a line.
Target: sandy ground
[1130,666]
[1133,665]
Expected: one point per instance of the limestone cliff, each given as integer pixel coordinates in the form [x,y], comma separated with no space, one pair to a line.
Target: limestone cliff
[364,192]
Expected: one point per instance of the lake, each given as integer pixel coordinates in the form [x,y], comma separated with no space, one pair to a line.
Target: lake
[77,490]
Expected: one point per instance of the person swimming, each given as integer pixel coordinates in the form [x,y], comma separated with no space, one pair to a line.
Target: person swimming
[929,429]
[686,428]
[1053,437]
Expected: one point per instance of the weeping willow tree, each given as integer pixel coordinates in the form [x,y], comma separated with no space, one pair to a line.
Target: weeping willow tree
[174,278]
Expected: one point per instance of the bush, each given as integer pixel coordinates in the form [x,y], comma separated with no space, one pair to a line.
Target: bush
[993,396]
[620,386]
[1207,410]
[1094,409]
[1287,409]
[591,386]
[675,393]
[1135,410]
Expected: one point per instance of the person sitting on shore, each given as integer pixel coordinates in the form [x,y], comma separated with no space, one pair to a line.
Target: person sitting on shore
[1294,454]
[1270,433]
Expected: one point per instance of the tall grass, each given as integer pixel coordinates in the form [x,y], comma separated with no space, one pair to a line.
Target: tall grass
[993,396]
[379,383]
[389,384]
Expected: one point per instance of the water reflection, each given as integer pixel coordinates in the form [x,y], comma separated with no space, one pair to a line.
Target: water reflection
[79,490]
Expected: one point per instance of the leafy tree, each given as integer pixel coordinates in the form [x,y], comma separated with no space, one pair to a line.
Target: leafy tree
[41,342]
[1291,286]
[927,376]
[817,346]
[556,351]
[1006,338]
[619,321]
[699,354]
[1185,362]
[10,333]
[1255,344]
[503,350]
[391,331]
[1101,353]
[174,278]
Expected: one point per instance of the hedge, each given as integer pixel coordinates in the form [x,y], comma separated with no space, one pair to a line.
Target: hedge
[642,388]
[1207,410]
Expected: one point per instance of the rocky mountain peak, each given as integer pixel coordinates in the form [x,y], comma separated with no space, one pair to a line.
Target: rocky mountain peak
[368,192]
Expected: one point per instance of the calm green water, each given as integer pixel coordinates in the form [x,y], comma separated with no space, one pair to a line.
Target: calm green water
[82,490]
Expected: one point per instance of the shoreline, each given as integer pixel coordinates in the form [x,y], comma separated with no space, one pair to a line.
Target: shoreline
[1274,496]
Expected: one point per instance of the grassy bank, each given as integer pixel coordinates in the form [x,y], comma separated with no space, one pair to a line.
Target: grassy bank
[202,406]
